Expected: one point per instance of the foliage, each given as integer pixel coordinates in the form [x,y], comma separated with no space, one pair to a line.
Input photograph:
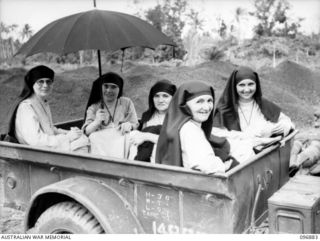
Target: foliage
[72,58]
[269,51]
[263,46]
[26,32]
[221,48]
[170,17]
[273,19]
[215,53]
[8,45]
[239,14]
[155,16]
[194,20]
[308,44]
[222,29]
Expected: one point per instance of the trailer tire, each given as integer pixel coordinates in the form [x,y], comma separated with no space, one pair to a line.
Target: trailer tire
[67,217]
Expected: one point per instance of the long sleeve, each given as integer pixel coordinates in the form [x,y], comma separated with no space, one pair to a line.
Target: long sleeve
[29,131]
[197,152]
[223,132]
[286,122]
[254,123]
[241,143]
[125,112]
[90,115]
[59,131]
[131,115]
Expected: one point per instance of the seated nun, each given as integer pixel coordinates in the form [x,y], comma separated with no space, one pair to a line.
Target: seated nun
[247,119]
[31,120]
[185,138]
[109,117]
[144,140]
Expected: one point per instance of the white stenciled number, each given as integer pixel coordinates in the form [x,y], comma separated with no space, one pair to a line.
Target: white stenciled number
[163,228]
[173,229]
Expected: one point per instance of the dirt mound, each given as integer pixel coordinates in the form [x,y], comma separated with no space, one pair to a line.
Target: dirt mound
[301,81]
[293,87]
[87,73]
[13,77]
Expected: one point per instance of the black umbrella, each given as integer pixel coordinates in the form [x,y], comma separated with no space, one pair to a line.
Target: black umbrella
[96,30]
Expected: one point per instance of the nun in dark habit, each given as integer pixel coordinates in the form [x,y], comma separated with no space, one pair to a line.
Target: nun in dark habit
[109,117]
[185,138]
[144,140]
[243,114]
[31,122]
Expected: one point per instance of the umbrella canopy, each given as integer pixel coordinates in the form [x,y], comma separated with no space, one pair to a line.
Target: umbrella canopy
[96,30]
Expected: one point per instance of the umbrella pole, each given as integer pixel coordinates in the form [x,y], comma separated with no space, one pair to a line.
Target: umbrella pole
[122,58]
[99,62]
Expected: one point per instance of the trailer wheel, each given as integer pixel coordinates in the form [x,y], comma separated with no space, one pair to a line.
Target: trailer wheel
[65,218]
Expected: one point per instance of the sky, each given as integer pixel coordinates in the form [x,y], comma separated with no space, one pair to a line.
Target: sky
[38,13]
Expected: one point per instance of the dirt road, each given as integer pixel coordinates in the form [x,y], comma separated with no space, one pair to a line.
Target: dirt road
[11,220]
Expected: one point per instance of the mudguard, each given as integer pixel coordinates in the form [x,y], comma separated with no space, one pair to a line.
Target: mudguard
[112,210]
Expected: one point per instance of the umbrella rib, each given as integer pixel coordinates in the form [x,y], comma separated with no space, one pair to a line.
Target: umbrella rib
[31,50]
[81,31]
[150,43]
[106,32]
[69,33]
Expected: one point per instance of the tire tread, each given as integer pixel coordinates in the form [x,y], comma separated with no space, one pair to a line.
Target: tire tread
[72,211]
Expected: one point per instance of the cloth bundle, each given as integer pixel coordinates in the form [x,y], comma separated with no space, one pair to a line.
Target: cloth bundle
[109,142]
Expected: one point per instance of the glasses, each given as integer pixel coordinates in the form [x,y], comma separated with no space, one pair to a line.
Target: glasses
[42,81]
[111,86]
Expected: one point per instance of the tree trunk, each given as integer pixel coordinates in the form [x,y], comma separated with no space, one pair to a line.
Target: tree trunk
[2,49]
[81,57]
[274,55]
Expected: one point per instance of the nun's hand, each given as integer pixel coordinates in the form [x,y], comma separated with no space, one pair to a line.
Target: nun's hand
[76,129]
[74,134]
[278,129]
[100,116]
[125,127]
[267,131]
[137,137]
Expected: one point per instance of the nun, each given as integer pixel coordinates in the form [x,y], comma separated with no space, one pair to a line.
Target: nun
[185,138]
[243,114]
[109,117]
[241,108]
[107,108]
[31,120]
[146,137]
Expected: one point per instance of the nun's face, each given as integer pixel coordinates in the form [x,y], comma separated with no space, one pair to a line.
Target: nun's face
[110,92]
[43,87]
[246,89]
[201,107]
[161,101]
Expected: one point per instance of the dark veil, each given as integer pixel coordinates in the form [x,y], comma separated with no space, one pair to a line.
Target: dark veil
[30,78]
[96,95]
[168,148]
[226,112]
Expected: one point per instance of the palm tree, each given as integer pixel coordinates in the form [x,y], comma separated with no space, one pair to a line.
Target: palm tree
[3,29]
[6,44]
[26,32]
[239,13]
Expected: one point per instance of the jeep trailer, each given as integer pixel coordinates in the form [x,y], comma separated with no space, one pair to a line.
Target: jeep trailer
[66,192]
